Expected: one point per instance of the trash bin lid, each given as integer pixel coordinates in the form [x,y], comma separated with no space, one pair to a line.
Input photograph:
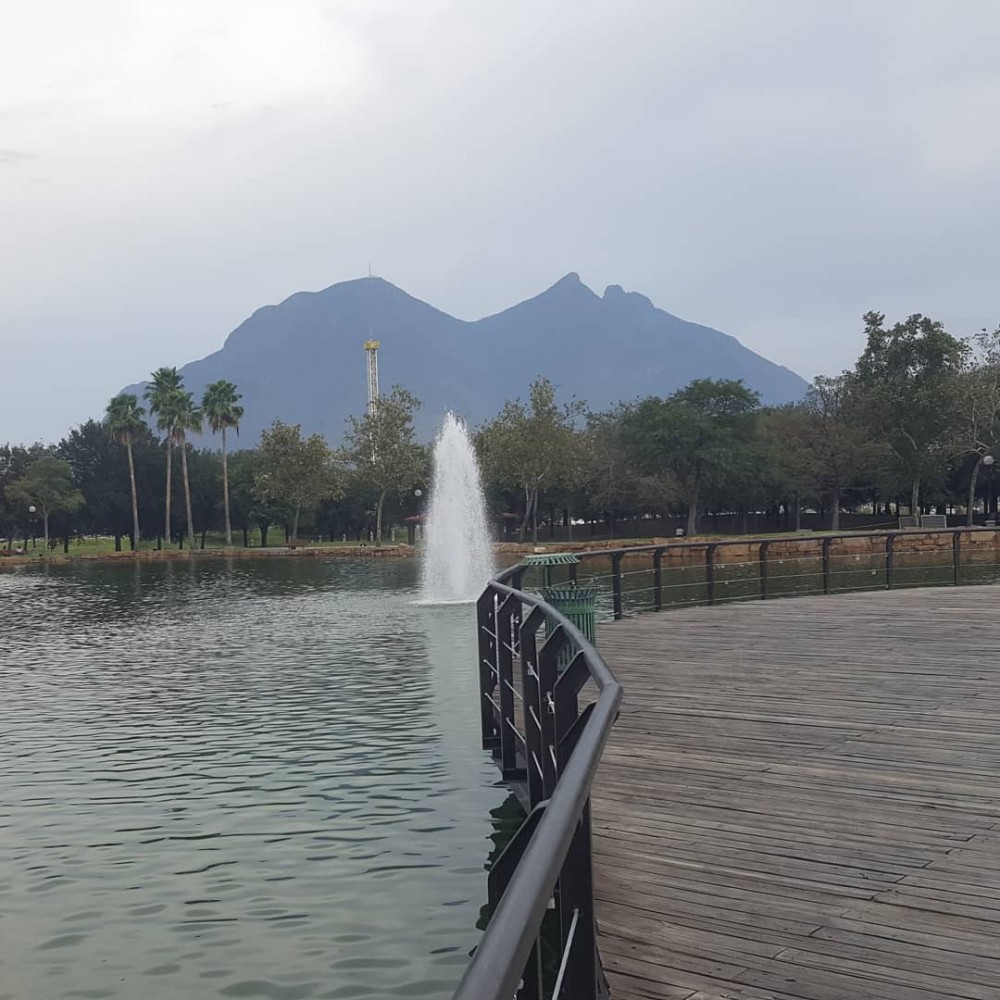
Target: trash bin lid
[550,559]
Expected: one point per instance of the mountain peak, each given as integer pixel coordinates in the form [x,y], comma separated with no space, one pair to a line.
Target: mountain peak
[302,360]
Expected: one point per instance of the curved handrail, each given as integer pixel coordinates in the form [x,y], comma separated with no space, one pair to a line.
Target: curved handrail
[497,967]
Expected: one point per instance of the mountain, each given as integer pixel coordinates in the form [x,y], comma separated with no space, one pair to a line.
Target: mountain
[302,360]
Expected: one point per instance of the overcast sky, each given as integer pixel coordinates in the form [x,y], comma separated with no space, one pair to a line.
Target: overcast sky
[772,168]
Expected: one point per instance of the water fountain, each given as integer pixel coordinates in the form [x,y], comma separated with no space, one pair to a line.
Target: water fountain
[458,554]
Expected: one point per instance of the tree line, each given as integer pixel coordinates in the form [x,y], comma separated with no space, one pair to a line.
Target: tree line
[117,476]
[909,427]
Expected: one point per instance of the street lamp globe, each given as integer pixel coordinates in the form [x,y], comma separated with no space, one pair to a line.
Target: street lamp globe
[418,493]
[988,460]
[32,509]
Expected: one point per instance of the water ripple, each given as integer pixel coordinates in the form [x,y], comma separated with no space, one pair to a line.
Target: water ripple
[237,780]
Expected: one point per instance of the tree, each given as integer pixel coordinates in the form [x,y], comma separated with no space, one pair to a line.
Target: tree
[698,435]
[14,462]
[161,394]
[187,417]
[978,433]
[531,446]
[220,405]
[382,449]
[842,450]
[907,381]
[48,485]
[123,418]
[294,471]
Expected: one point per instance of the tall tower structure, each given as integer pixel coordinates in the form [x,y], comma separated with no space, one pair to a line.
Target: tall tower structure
[371,349]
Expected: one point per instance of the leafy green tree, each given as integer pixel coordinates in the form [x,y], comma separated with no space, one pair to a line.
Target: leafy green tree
[222,410]
[383,450]
[843,453]
[124,418]
[908,382]
[978,432]
[47,484]
[14,462]
[294,471]
[531,446]
[697,435]
[162,395]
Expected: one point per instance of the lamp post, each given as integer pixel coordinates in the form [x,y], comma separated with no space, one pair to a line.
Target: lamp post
[988,461]
[31,528]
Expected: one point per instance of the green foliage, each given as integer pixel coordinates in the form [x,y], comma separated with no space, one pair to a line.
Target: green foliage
[294,471]
[533,446]
[696,437]
[383,452]
[48,485]
[907,380]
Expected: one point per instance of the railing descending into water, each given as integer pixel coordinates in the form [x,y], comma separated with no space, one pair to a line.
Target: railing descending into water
[642,578]
[534,665]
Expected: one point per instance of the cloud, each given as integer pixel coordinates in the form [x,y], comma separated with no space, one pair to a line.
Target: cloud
[11,157]
[772,170]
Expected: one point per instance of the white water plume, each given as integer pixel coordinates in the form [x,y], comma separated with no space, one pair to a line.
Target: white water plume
[458,553]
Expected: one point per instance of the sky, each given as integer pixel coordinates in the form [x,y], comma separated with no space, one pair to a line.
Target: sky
[771,168]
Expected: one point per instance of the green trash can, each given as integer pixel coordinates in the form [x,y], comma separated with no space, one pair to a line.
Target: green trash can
[577,603]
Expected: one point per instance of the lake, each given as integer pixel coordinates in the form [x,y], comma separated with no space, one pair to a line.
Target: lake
[245,778]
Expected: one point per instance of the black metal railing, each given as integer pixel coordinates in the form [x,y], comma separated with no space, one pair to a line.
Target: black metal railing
[534,665]
[684,574]
[540,943]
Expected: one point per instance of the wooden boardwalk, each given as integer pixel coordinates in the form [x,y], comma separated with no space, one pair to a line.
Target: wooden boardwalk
[801,799]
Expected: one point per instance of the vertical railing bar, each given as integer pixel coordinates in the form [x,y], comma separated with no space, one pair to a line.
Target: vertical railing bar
[616,585]
[956,556]
[658,580]
[762,562]
[505,669]
[565,955]
[710,572]
[890,553]
[825,552]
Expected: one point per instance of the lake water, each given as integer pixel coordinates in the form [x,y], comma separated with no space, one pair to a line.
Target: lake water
[256,778]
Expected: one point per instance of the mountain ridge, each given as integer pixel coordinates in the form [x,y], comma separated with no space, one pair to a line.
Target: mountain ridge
[301,359]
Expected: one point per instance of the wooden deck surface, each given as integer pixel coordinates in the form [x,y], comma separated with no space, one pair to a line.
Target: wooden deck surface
[801,799]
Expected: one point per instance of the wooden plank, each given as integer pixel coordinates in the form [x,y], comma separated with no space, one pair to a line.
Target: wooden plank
[801,800]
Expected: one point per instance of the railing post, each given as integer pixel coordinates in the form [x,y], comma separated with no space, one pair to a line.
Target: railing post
[505,682]
[576,915]
[890,551]
[548,673]
[710,572]
[533,707]
[572,572]
[762,568]
[826,564]
[956,556]
[658,580]
[616,584]
[486,617]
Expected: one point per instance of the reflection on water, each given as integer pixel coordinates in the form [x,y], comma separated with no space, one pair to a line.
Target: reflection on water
[242,779]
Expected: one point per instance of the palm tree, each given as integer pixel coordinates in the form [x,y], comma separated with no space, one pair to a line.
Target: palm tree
[123,417]
[162,393]
[220,406]
[188,418]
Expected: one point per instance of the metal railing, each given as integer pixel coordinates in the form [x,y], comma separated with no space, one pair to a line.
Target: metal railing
[786,566]
[541,941]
